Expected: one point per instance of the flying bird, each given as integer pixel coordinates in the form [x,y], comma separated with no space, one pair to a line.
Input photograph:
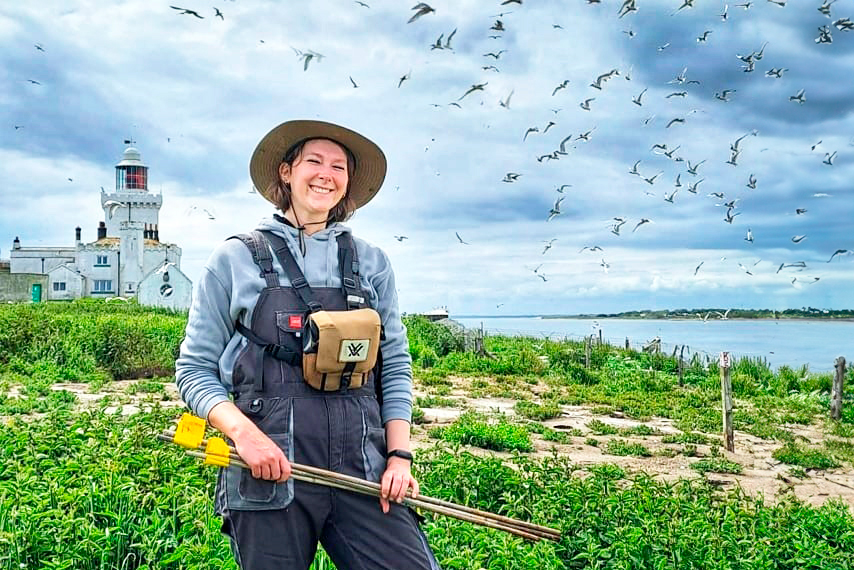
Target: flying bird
[562,85]
[548,245]
[586,103]
[307,56]
[39,47]
[355,85]
[839,252]
[421,9]
[640,223]
[218,14]
[798,97]
[404,78]
[188,12]
[506,102]
[461,239]
[828,158]
[696,269]
[400,238]
[473,88]
[798,239]
[673,121]
[637,100]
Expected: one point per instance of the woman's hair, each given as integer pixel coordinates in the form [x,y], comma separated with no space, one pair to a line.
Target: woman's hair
[280,192]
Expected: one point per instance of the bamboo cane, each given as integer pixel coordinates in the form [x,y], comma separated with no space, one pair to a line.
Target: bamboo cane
[330,478]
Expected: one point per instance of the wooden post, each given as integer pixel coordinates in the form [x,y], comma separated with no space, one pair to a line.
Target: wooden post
[627,343]
[587,352]
[726,396]
[836,392]
[681,363]
[600,336]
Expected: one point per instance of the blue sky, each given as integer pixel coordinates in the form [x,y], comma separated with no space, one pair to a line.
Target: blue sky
[196,94]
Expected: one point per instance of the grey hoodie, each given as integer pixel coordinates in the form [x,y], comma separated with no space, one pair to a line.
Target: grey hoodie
[229,288]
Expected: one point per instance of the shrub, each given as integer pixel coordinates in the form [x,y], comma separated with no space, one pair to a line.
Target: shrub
[808,458]
[472,428]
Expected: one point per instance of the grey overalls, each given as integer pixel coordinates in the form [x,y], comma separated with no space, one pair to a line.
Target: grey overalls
[276,526]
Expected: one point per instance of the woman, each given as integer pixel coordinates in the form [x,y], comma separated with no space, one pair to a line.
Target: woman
[244,339]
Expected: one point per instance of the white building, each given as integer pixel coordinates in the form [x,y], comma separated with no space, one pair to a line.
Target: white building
[126,254]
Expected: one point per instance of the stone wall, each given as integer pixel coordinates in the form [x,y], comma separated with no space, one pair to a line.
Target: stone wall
[18,287]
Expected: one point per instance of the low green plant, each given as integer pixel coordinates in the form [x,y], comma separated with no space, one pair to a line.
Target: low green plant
[689,437]
[475,429]
[592,442]
[717,465]
[533,411]
[623,447]
[808,458]
[598,427]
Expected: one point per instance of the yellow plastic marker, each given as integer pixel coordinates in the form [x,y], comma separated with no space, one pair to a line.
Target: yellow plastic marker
[216,452]
[190,431]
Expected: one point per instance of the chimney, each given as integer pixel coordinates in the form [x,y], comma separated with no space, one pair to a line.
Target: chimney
[102,230]
[16,244]
[77,231]
[156,233]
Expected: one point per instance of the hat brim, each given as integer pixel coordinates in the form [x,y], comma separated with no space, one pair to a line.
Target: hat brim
[366,179]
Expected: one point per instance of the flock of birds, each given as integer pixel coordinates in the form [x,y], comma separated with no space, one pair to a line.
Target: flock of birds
[682,87]
[691,168]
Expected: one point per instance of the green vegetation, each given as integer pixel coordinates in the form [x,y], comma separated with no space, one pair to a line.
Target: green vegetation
[802,313]
[91,489]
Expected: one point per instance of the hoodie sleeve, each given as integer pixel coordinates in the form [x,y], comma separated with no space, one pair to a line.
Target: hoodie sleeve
[397,363]
[210,327]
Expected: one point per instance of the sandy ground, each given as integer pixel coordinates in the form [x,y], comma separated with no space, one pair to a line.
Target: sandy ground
[762,475]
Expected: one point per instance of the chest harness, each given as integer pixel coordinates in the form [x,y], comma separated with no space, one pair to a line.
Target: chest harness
[340,337]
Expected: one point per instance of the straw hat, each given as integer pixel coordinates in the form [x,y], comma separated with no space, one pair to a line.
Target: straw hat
[370,160]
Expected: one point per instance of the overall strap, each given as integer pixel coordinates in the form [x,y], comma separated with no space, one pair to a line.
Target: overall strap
[348,263]
[257,246]
[295,275]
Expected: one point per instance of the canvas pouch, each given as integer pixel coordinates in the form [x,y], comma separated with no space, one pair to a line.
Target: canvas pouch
[340,348]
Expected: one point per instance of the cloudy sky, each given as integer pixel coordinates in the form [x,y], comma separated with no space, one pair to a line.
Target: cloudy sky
[197,94]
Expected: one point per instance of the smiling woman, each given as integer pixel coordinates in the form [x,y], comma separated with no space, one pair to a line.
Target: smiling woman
[299,341]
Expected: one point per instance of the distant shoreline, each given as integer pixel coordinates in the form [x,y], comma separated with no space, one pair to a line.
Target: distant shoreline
[656,318]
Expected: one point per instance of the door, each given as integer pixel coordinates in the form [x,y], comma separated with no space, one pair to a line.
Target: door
[37,292]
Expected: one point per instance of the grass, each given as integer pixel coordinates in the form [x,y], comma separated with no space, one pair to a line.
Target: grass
[92,490]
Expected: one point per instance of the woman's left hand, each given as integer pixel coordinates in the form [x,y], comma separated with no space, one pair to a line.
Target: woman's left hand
[396,480]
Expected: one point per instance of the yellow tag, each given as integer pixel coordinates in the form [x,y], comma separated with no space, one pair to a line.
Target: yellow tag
[216,452]
[190,431]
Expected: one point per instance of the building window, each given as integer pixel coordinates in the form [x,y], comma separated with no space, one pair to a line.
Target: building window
[101,261]
[59,285]
[103,286]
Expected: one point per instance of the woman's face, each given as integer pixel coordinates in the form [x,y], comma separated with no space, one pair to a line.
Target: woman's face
[318,179]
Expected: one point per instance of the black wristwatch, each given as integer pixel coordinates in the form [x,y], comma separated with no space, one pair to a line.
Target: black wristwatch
[402,453]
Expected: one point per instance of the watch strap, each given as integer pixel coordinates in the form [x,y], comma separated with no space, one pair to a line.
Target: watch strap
[402,453]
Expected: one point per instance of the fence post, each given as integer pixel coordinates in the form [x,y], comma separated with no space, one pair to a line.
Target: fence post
[836,393]
[627,343]
[726,396]
[587,351]
[681,363]
[600,336]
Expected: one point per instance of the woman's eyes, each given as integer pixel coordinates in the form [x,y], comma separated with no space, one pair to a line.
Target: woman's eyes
[317,161]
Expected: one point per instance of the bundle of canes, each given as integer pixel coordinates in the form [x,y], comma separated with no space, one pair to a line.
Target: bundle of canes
[319,476]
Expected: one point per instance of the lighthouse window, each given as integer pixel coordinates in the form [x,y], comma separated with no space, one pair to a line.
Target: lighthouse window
[101,261]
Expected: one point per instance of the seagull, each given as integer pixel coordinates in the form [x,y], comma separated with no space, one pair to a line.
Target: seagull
[188,12]
[461,239]
[33,81]
[776,73]
[828,158]
[676,120]
[531,130]
[604,77]
[702,38]
[511,177]
[800,211]
[746,270]
[360,3]
[39,47]
[637,100]
[669,198]
[555,211]
[685,4]
[404,78]
[676,94]
[640,223]
[751,182]
[839,252]
[692,169]
[307,56]
[825,7]
[651,180]
[112,207]
[218,14]
[696,269]
[692,188]
[798,97]
[635,170]
[498,26]
[813,147]
[543,277]
[730,216]
[605,265]
[495,55]
[562,186]
[474,87]
[400,238]
[724,95]
[563,144]
[548,246]
[724,316]
[669,153]
[664,47]
[560,86]
[678,183]
[615,229]
[438,43]
[586,103]
[448,41]
[798,239]
[749,236]
[420,10]
[724,15]
[506,102]
[591,248]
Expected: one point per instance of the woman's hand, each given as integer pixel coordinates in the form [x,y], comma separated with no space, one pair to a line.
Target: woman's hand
[265,459]
[396,481]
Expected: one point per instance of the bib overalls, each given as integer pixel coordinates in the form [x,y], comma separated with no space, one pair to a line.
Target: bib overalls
[276,526]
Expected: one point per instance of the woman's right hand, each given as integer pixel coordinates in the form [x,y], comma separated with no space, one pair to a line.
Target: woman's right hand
[266,460]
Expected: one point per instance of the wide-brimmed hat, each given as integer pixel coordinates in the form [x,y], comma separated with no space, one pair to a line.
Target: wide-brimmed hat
[366,179]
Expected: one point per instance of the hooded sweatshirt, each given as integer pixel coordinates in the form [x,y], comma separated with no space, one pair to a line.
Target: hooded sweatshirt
[228,290]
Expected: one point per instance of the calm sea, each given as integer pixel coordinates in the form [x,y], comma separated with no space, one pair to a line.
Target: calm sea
[815,343]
